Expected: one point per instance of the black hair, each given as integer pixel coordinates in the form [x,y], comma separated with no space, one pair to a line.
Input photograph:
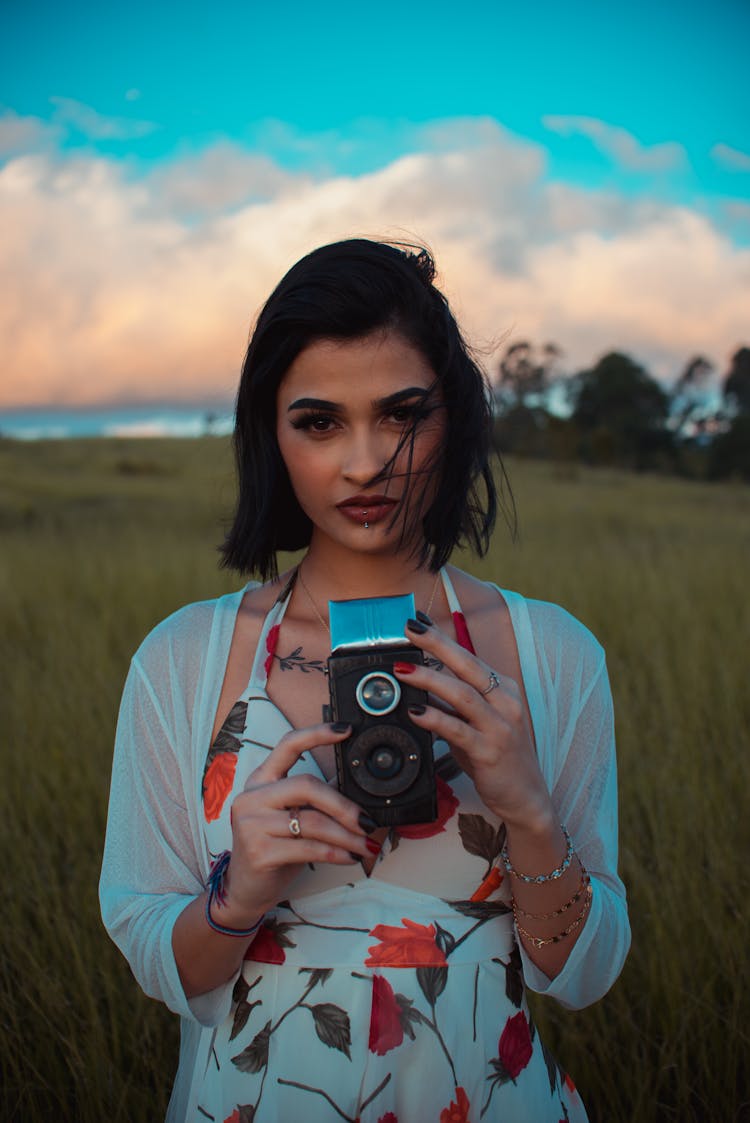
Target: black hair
[343,291]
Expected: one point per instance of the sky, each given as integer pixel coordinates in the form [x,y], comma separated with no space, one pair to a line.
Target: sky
[581,173]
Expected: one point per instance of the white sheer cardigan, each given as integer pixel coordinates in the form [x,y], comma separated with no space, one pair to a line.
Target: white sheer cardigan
[155,855]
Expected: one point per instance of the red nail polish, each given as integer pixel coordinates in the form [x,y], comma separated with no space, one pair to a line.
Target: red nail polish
[372,845]
[404,668]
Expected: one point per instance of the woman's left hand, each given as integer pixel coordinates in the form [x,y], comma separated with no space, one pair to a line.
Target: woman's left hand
[488,730]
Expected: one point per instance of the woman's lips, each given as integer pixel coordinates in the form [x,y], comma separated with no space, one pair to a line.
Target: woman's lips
[364,509]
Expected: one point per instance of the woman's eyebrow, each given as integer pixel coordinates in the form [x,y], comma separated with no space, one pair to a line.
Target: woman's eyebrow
[401,396]
[313,403]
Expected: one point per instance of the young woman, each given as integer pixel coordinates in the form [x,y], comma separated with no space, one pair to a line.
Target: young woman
[324,968]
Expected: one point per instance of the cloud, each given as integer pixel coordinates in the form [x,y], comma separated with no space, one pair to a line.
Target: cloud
[731,158]
[20,134]
[620,145]
[135,289]
[95,126]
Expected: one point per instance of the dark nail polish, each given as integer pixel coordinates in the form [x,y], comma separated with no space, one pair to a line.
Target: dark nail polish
[415,626]
[355,857]
[424,618]
[340,726]
[366,823]
[417,710]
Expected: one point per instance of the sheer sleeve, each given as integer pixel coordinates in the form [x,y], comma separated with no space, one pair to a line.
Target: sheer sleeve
[572,710]
[153,864]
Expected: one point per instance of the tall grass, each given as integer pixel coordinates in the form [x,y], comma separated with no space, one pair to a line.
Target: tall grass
[99,540]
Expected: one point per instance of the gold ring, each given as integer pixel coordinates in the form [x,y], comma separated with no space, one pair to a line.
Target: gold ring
[295,828]
[493,682]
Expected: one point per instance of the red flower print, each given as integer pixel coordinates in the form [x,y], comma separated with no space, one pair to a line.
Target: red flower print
[569,1083]
[217,784]
[389,1117]
[514,1048]
[458,1112]
[492,881]
[446,807]
[462,632]
[271,641]
[411,946]
[265,948]
[234,1117]
[386,1031]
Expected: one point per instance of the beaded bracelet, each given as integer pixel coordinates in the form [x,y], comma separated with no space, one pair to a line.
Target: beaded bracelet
[217,892]
[563,908]
[540,878]
[544,941]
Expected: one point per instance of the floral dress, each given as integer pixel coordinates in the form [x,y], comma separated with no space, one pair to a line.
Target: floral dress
[396,997]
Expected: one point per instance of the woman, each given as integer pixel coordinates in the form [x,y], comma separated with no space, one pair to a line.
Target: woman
[325,968]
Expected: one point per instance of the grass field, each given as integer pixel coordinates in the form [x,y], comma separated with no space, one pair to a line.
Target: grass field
[99,540]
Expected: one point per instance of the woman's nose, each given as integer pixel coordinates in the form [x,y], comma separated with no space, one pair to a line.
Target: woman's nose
[366,456]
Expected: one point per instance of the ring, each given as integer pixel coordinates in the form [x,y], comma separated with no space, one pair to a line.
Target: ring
[295,829]
[493,682]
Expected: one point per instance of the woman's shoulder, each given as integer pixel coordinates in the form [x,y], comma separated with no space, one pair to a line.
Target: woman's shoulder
[553,630]
[188,629]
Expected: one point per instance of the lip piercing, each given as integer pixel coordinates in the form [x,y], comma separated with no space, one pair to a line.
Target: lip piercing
[364,512]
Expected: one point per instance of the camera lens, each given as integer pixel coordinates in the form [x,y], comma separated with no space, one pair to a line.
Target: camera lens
[384,762]
[378,693]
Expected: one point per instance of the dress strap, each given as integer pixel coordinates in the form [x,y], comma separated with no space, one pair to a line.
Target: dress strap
[269,637]
[459,620]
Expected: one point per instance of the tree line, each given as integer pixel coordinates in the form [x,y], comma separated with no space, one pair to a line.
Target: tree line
[616,413]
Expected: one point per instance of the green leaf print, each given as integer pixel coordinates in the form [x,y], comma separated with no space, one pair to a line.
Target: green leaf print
[332,1026]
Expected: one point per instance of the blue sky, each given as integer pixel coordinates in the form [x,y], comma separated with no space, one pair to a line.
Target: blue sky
[637,113]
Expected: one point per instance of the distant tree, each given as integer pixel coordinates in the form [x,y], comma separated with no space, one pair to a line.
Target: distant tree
[729,454]
[737,381]
[621,410]
[526,372]
[690,393]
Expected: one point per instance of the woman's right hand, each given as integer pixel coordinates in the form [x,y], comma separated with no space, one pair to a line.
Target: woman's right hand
[266,855]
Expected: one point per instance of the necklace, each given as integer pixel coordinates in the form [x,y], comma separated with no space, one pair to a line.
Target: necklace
[314,606]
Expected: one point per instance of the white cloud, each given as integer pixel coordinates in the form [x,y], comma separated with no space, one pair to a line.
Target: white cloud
[731,158]
[620,145]
[96,126]
[112,293]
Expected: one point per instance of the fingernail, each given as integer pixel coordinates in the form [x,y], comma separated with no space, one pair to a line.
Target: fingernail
[424,618]
[366,823]
[404,668]
[355,857]
[340,726]
[373,846]
[415,626]
[417,710]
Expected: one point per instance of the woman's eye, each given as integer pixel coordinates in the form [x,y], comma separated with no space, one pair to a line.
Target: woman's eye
[315,423]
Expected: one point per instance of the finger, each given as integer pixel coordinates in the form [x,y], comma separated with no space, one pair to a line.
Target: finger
[293,744]
[464,664]
[296,791]
[463,697]
[316,827]
[462,737]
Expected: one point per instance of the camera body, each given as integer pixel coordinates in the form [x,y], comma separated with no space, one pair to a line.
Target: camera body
[386,764]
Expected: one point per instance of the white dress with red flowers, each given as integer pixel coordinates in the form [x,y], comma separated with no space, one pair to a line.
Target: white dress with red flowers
[396,997]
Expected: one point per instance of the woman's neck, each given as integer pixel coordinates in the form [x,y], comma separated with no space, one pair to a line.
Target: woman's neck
[342,575]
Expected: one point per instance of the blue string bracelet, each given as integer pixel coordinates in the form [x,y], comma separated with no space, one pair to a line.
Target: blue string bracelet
[539,879]
[217,892]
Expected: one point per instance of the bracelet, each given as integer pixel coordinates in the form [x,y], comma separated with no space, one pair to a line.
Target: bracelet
[543,941]
[563,908]
[540,878]
[217,892]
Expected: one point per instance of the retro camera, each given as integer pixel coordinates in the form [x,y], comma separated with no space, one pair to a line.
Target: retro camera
[386,764]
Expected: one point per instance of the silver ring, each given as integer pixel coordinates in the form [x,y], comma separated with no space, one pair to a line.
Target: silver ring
[493,682]
[295,828]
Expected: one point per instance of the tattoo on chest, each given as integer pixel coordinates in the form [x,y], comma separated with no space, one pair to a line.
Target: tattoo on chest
[296,661]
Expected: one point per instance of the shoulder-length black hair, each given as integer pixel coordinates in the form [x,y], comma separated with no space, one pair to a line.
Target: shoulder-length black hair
[342,291]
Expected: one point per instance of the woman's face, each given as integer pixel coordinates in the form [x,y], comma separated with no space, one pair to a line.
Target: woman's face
[342,408]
